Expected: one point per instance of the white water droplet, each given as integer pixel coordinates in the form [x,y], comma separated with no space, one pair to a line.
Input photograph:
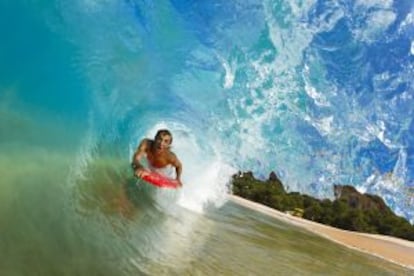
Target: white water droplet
[412,48]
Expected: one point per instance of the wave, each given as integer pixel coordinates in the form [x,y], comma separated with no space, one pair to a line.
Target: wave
[320,92]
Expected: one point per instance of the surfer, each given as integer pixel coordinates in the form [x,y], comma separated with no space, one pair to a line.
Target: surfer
[158,155]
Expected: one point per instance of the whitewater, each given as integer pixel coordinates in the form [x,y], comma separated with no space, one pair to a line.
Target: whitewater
[321,92]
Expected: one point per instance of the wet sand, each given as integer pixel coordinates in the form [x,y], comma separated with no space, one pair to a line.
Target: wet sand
[395,250]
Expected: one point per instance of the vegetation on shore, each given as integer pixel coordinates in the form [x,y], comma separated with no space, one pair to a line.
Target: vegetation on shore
[350,210]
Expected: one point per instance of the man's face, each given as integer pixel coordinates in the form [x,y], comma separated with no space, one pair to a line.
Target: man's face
[163,142]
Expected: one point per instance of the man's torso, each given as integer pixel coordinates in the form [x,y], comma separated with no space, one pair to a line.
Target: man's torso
[157,160]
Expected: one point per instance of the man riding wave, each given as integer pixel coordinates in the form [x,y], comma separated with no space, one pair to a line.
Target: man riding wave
[158,154]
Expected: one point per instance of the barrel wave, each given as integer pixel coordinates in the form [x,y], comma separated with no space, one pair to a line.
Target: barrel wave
[321,92]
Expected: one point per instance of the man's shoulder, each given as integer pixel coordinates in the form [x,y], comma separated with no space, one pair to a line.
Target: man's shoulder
[146,143]
[172,155]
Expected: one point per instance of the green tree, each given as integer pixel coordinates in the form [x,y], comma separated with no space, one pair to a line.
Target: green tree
[313,212]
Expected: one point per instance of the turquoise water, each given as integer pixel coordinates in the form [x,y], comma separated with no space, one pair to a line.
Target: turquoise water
[112,225]
[320,92]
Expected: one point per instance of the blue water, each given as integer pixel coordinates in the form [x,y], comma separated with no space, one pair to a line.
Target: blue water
[321,92]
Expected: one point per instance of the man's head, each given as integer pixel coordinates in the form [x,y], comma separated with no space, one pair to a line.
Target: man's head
[163,139]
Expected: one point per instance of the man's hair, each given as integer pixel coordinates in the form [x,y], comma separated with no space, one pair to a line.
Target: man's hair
[163,132]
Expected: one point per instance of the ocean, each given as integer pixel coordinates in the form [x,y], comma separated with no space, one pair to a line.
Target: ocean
[321,92]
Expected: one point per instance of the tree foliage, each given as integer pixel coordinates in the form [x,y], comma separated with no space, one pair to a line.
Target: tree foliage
[350,210]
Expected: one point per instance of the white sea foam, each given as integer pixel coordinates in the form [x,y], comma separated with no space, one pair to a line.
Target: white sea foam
[376,16]
[408,21]
[374,3]
[375,24]
[229,69]
[407,25]
[207,186]
[318,97]
[412,48]
[292,40]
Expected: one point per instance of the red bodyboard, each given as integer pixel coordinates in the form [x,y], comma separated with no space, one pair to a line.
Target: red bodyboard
[161,181]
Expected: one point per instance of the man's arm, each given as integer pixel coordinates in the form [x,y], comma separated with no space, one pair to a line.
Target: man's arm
[136,159]
[178,167]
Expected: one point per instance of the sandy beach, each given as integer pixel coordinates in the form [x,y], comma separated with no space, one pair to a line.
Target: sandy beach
[395,250]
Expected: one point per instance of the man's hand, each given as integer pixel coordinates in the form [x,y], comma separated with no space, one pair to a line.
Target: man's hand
[180,184]
[141,172]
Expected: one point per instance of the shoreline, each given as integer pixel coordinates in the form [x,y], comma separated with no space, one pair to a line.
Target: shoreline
[395,250]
